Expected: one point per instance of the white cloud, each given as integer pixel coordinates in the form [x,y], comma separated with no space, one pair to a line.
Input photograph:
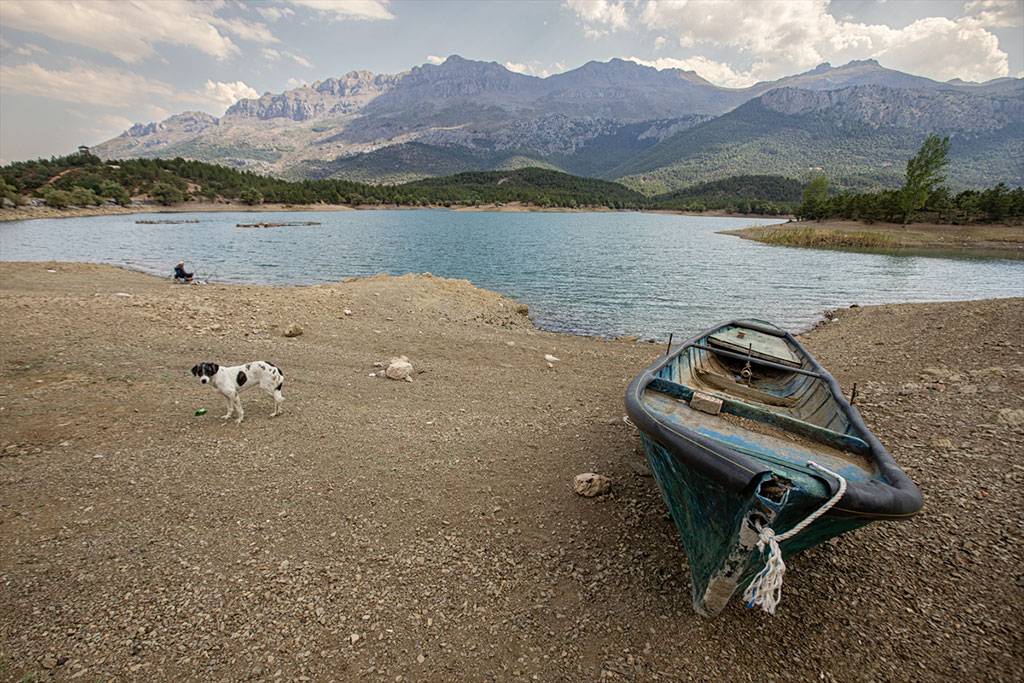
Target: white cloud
[81,84]
[273,13]
[434,59]
[274,55]
[996,13]
[127,30]
[373,10]
[25,50]
[116,88]
[252,31]
[300,60]
[600,17]
[718,73]
[222,95]
[779,37]
[535,68]
[659,42]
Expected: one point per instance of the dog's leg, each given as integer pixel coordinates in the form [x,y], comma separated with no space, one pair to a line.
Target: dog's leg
[231,408]
[238,409]
[278,400]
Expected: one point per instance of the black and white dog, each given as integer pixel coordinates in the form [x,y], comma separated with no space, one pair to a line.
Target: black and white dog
[231,380]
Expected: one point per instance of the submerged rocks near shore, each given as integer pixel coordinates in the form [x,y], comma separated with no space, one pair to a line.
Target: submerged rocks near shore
[426,531]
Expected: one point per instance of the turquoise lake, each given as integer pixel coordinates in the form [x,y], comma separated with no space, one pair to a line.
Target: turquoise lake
[587,273]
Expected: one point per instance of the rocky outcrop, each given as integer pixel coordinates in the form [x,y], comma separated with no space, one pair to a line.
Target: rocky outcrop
[940,111]
[343,95]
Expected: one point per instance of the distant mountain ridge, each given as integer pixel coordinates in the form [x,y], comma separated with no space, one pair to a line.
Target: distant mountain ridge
[658,130]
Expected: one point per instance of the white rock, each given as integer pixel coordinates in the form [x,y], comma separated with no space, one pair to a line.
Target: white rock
[123,295]
[399,368]
[293,330]
[551,359]
[589,484]
[348,311]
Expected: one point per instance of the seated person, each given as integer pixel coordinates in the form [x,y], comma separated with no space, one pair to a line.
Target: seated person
[180,275]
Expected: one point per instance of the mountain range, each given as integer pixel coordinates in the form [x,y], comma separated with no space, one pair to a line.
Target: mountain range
[654,130]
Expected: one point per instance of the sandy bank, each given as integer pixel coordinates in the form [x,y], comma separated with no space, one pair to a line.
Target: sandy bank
[998,241]
[32,212]
[428,530]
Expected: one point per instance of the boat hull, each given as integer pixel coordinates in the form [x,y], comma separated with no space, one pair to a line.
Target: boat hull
[723,483]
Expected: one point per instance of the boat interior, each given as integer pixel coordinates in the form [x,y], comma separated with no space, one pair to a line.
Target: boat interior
[775,406]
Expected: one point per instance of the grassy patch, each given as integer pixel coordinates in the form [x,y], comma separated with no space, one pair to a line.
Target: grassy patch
[817,237]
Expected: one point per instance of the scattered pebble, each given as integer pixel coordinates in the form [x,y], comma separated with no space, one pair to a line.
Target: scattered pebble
[590,484]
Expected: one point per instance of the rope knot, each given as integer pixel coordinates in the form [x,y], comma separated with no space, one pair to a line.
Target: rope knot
[765,590]
[765,537]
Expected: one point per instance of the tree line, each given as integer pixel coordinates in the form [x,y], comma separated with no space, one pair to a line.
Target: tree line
[922,198]
[83,179]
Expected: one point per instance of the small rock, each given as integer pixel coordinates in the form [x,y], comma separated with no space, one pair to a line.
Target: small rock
[354,638]
[399,368]
[123,295]
[293,330]
[420,658]
[936,374]
[347,311]
[216,327]
[48,663]
[589,484]
[551,359]
[1013,417]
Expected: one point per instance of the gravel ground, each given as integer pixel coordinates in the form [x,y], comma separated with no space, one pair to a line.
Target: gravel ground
[428,531]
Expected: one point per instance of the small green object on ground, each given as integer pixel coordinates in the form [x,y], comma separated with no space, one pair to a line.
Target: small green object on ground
[201,411]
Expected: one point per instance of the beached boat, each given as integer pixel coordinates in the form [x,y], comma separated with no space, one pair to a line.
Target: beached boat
[758,455]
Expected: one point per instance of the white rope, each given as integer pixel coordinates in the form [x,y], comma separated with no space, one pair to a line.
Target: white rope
[765,591]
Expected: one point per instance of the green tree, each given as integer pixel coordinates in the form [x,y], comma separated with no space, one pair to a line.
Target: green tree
[251,196]
[815,199]
[115,190]
[926,171]
[83,196]
[166,194]
[58,199]
[8,194]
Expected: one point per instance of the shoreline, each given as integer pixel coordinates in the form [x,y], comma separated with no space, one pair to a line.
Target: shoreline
[25,213]
[428,530]
[916,239]
[822,317]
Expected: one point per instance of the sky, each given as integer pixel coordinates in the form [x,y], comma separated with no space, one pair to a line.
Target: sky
[81,71]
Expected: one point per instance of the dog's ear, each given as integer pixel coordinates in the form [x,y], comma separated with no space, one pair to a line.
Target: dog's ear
[195,370]
[213,369]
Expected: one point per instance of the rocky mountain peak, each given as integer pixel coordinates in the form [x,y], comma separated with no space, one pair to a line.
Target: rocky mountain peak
[189,122]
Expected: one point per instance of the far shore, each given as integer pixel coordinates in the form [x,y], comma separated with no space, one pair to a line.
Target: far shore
[989,240]
[24,213]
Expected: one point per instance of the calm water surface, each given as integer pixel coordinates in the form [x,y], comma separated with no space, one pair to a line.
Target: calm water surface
[590,273]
